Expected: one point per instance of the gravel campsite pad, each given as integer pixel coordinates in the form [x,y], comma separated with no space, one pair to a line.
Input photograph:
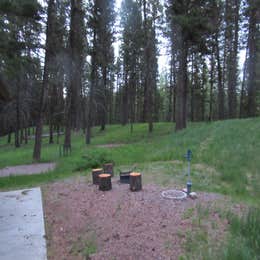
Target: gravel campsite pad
[36,168]
[85,223]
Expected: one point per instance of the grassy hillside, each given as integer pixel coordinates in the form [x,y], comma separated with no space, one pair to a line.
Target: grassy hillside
[225,160]
[225,155]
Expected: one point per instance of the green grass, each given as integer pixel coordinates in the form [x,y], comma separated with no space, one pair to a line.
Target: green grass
[84,246]
[225,155]
[225,160]
[244,242]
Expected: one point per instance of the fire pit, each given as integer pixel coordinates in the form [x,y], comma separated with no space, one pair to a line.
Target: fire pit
[174,194]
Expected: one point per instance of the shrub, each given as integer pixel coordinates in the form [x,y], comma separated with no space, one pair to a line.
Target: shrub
[93,159]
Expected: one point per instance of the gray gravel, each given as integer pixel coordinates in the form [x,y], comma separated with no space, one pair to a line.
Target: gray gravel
[37,168]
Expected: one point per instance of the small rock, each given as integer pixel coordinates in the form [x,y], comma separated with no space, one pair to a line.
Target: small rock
[184,190]
[116,236]
[106,239]
[193,195]
[163,226]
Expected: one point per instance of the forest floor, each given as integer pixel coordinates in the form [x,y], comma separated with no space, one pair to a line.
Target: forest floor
[85,223]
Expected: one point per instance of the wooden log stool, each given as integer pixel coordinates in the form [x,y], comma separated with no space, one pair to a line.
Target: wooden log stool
[95,174]
[135,181]
[108,168]
[105,182]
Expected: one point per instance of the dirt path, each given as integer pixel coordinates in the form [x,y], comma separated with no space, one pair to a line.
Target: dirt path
[85,223]
[37,168]
[109,145]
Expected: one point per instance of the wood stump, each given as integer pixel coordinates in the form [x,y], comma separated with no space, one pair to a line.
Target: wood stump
[135,181]
[95,175]
[108,168]
[105,182]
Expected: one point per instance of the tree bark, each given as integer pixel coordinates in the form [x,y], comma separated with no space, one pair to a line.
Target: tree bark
[181,90]
[104,103]
[51,131]
[105,183]
[135,181]
[95,175]
[108,168]
[212,68]
[221,93]
[17,124]
[93,78]
[26,135]
[9,138]
[192,85]
[242,94]
[232,63]
[43,91]
[252,59]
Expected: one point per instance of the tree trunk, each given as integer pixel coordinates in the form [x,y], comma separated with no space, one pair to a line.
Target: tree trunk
[232,65]
[192,85]
[9,138]
[21,135]
[135,181]
[181,90]
[125,98]
[38,136]
[212,68]
[242,94]
[252,59]
[39,119]
[93,77]
[104,103]
[108,168]
[105,183]
[67,138]
[58,134]
[76,47]
[148,73]
[221,93]
[26,135]
[51,131]
[17,125]
[95,175]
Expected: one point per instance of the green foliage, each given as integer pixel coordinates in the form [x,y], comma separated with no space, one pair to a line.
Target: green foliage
[85,246]
[93,159]
[25,8]
[242,243]
[245,236]
[225,155]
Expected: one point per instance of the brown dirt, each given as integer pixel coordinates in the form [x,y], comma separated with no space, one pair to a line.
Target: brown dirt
[36,168]
[109,145]
[121,224]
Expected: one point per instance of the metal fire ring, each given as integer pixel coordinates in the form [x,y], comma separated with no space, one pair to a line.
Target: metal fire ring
[174,194]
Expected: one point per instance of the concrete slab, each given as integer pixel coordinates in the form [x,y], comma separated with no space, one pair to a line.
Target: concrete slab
[22,232]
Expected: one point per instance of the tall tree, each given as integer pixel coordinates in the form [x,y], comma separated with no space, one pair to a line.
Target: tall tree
[150,14]
[131,51]
[47,63]
[76,58]
[105,30]
[191,24]
[231,38]
[253,55]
